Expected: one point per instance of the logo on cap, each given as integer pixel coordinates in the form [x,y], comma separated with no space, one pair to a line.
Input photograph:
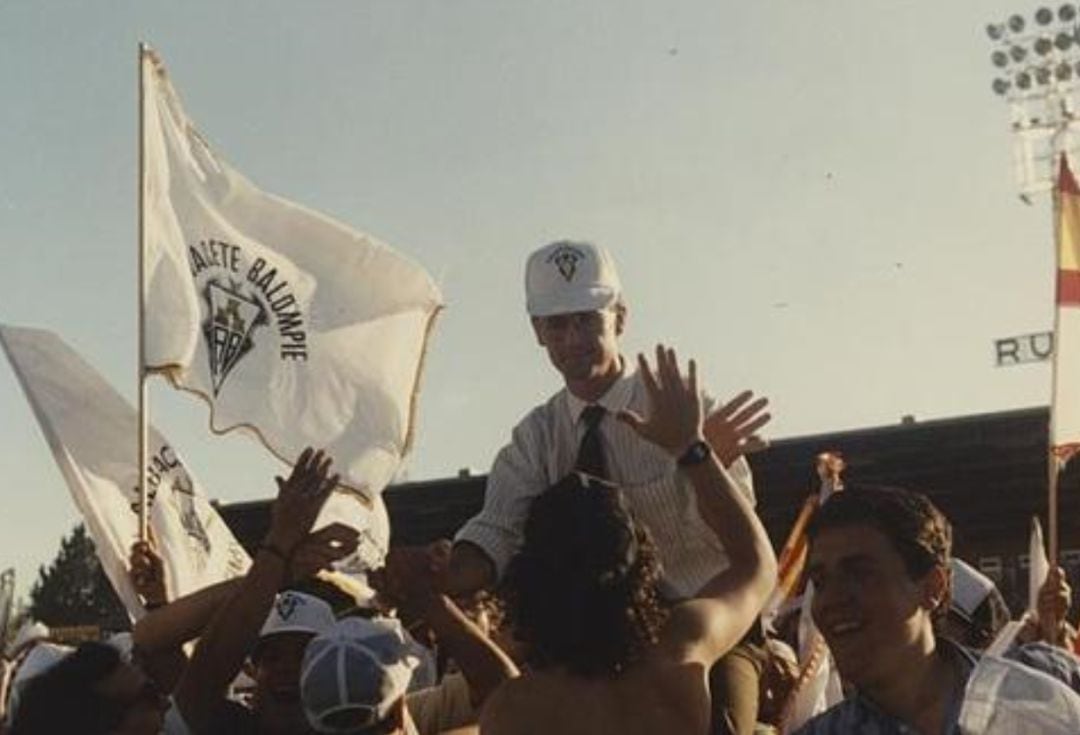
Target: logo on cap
[286,605]
[566,259]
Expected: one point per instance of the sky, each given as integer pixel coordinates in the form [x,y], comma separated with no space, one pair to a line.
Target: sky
[814,199]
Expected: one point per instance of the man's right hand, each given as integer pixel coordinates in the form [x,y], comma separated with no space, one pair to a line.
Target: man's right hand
[731,429]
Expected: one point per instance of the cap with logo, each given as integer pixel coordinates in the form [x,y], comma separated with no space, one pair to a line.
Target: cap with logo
[565,277]
[354,674]
[297,612]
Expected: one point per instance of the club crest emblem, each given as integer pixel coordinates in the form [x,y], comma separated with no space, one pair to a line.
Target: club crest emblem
[232,318]
[566,259]
[184,497]
[286,605]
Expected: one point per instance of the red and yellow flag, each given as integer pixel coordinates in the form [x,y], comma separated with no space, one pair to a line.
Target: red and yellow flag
[1065,406]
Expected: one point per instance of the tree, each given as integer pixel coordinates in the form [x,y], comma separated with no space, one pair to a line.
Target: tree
[74,590]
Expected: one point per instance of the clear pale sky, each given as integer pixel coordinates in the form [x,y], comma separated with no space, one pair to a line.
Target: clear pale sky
[815,199]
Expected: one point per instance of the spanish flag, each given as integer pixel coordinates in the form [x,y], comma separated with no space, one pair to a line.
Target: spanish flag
[1065,408]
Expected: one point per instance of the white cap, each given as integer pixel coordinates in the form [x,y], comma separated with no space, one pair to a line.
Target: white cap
[565,277]
[297,612]
[970,588]
[40,659]
[30,631]
[354,674]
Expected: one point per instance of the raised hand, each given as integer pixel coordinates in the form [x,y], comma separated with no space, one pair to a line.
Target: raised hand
[147,573]
[675,414]
[731,429]
[299,500]
[414,573]
[321,549]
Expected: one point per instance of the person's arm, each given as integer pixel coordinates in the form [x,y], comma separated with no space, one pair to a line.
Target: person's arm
[235,627]
[706,627]
[413,581]
[471,570]
[486,543]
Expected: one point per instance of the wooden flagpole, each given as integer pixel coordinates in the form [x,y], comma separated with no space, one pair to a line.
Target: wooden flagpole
[143,423]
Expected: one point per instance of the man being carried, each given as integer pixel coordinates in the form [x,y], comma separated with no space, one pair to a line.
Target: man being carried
[578,313]
[606,654]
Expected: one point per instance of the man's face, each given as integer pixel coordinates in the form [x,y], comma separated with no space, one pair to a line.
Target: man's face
[277,678]
[874,617]
[138,697]
[582,345]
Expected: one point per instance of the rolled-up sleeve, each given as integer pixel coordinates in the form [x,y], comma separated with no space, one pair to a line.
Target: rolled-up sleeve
[515,479]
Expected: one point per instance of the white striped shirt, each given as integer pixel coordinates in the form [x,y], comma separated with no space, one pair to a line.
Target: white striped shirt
[543,450]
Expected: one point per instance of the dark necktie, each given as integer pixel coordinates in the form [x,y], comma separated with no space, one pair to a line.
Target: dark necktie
[590,458]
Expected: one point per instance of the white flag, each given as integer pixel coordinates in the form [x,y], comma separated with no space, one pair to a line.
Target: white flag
[93,432]
[288,323]
[1038,564]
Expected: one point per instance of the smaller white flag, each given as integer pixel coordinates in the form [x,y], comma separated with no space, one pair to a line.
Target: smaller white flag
[92,432]
[1038,565]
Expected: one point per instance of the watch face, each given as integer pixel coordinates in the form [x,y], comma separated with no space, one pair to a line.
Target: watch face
[695,454]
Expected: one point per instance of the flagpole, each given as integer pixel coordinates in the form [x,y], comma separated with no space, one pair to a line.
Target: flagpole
[143,431]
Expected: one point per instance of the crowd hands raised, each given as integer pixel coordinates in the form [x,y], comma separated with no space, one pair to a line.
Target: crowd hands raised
[602,650]
[579,632]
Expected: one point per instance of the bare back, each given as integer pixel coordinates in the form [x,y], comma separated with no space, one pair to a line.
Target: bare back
[656,695]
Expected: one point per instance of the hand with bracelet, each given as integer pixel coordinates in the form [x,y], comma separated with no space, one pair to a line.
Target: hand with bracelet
[299,500]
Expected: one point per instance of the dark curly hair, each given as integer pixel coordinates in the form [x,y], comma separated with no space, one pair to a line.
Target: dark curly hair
[582,592]
[920,533]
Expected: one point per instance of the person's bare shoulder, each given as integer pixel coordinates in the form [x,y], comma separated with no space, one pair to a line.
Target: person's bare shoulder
[507,709]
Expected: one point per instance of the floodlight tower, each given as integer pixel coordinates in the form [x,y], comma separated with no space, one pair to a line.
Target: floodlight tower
[1037,63]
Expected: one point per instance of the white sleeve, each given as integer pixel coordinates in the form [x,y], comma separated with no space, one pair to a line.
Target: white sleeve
[516,478]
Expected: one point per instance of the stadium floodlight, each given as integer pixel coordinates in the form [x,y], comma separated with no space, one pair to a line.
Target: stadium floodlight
[1036,62]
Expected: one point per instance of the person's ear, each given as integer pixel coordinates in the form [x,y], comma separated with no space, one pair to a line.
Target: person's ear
[935,588]
[620,318]
[535,321]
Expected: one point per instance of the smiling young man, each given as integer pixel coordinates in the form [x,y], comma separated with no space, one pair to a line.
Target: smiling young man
[578,314]
[879,563]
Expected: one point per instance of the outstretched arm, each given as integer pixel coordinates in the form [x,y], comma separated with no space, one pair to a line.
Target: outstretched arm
[414,579]
[706,627]
[235,628]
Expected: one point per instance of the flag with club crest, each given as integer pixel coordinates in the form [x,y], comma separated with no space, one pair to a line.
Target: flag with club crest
[288,323]
[91,431]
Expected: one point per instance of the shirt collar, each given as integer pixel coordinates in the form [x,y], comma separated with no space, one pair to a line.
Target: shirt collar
[616,399]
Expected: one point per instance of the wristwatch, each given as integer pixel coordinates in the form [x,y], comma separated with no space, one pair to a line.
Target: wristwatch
[696,453]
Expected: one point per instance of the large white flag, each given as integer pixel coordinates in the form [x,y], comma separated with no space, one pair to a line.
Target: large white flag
[288,323]
[92,432]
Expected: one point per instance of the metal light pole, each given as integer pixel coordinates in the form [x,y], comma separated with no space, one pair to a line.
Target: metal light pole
[1037,65]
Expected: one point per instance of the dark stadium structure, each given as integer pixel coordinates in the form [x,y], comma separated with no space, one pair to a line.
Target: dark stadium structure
[987,472]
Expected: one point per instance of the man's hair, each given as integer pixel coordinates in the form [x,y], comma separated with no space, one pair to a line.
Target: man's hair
[582,591]
[64,698]
[912,524]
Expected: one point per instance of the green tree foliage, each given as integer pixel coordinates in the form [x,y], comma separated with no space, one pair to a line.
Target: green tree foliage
[74,590]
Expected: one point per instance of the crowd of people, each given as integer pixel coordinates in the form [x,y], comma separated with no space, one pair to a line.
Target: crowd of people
[614,582]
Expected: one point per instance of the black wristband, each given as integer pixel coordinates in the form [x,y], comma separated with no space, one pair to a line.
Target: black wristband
[696,453]
[154,605]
